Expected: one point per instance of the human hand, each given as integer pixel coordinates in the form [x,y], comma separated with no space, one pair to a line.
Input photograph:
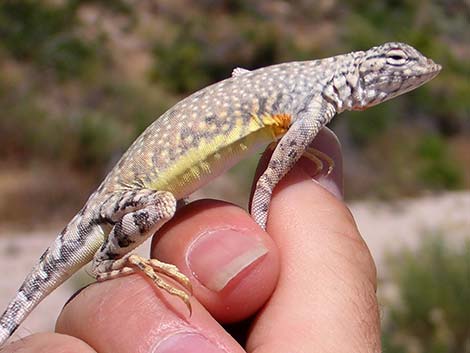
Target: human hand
[311,282]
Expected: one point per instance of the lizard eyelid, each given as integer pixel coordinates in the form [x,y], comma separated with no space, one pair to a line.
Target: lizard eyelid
[396,57]
[396,53]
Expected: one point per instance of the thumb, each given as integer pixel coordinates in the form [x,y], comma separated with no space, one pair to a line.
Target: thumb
[325,299]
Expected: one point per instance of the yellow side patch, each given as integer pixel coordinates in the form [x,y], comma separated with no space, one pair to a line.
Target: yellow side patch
[208,157]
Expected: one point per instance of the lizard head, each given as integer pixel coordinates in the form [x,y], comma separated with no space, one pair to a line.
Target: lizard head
[389,70]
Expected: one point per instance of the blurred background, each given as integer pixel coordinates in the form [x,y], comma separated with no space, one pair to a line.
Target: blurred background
[80,79]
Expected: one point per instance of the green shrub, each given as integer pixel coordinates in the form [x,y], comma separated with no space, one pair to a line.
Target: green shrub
[68,56]
[433,309]
[436,168]
[197,55]
[26,25]
[366,125]
[58,72]
[44,35]
[180,65]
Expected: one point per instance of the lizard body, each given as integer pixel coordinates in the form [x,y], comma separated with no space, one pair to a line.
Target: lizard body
[199,138]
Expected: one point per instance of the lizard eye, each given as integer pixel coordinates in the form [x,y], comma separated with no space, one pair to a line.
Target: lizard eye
[396,57]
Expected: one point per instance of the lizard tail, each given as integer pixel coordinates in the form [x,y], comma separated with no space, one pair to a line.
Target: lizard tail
[72,249]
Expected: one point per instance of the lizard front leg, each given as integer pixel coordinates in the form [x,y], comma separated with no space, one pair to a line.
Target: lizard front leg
[136,216]
[288,151]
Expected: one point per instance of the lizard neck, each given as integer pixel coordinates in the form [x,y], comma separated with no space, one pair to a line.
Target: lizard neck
[342,85]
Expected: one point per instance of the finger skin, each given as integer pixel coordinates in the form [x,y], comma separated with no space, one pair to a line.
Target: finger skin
[48,343]
[325,299]
[244,295]
[130,314]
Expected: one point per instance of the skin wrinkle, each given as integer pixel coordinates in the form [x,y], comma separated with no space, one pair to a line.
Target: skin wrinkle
[360,293]
[362,254]
[362,315]
[355,302]
[142,298]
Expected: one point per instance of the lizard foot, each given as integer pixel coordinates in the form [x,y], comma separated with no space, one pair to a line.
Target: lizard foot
[153,269]
[318,157]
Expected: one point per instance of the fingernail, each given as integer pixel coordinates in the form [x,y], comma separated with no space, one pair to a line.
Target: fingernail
[187,342]
[329,184]
[219,255]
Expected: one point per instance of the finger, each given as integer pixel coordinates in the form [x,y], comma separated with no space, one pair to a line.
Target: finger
[232,263]
[48,342]
[129,314]
[126,313]
[325,299]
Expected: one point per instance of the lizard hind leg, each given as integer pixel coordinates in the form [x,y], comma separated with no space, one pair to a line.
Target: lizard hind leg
[146,211]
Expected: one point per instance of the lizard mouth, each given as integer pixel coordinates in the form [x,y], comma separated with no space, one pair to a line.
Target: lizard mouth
[434,68]
[431,71]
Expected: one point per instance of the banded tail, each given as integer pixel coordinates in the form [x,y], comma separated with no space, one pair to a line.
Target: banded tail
[73,248]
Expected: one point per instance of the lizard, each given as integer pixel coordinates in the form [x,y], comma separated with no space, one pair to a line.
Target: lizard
[198,139]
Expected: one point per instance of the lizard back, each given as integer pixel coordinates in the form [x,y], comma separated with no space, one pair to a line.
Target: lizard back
[210,131]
